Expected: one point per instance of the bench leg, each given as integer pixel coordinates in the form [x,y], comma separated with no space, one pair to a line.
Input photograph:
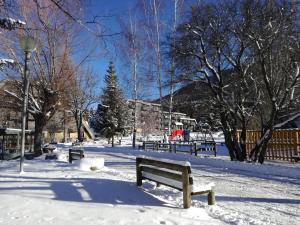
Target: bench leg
[211,197]
[186,189]
[187,199]
[70,159]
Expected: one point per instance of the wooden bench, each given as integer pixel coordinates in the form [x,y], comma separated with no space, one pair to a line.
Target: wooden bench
[75,154]
[206,146]
[8,154]
[173,174]
[48,149]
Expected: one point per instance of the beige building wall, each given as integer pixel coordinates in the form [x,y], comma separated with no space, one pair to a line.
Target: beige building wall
[150,121]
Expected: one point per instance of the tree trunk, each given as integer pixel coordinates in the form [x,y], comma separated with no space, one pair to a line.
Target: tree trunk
[243,141]
[227,135]
[229,144]
[40,122]
[78,119]
[259,151]
[112,141]
[237,148]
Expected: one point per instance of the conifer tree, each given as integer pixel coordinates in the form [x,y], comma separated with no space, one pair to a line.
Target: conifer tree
[111,116]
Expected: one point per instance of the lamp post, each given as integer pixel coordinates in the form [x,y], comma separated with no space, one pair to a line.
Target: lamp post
[27,44]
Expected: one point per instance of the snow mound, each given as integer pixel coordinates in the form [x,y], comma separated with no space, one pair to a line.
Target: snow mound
[88,164]
[203,187]
[61,156]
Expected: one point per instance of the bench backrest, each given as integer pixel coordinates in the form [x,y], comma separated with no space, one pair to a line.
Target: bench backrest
[78,153]
[173,174]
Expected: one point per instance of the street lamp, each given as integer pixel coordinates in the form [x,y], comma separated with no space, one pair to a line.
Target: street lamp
[27,44]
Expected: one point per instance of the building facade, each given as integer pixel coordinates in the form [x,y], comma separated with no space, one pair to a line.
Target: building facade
[149,119]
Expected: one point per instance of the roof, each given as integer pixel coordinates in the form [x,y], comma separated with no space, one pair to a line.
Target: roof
[4,130]
[178,123]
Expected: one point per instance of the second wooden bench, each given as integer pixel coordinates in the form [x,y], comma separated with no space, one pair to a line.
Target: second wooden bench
[75,154]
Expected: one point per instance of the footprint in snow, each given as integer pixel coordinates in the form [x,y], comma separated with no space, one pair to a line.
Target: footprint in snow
[141,210]
[162,222]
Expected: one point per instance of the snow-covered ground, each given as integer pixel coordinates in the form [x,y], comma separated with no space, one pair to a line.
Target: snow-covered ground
[56,192]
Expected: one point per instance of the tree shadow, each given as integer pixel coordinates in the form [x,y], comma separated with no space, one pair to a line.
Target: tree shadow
[105,191]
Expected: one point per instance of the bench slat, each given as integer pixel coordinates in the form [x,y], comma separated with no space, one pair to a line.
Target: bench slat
[78,153]
[167,165]
[162,173]
[165,181]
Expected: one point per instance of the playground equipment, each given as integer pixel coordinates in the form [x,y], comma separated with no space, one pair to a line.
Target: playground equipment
[175,133]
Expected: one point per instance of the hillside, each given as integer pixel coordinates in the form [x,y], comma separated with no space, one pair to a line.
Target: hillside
[192,99]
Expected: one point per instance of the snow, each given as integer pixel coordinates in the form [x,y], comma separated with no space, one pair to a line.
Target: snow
[10,23]
[87,164]
[197,187]
[6,62]
[181,163]
[56,192]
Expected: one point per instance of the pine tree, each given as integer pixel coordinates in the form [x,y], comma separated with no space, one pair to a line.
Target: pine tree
[111,116]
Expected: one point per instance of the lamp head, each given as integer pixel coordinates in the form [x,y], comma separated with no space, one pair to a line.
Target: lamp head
[27,44]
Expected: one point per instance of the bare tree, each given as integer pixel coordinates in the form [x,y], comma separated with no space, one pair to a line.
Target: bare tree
[132,49]
[275,34]
[153,26]
[205,53]
[80,96]
[50,68]
[177,4]
[232,49]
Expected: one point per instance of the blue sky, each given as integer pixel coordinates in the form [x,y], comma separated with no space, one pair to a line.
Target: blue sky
[110,12]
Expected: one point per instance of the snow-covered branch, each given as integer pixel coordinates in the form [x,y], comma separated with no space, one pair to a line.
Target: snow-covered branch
[11,24]
[7,63]
[16,96]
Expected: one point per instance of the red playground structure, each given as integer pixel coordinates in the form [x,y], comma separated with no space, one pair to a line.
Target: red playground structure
[175,133]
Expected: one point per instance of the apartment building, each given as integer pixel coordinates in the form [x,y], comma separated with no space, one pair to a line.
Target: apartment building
[150,121]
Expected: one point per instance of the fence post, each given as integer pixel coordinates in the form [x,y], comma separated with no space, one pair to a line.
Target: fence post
[195,148]
[215,149]
[138,172]
[296,143]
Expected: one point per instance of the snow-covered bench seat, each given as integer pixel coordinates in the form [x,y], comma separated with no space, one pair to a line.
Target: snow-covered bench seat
[175,174]
[49,148]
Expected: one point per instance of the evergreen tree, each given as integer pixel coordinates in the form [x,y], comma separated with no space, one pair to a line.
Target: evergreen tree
[111,116]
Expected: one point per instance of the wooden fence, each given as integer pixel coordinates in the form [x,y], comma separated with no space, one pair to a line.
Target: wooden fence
[282,146]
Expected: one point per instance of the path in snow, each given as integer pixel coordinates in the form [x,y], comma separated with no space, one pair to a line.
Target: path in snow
[52,192]
[242,195]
